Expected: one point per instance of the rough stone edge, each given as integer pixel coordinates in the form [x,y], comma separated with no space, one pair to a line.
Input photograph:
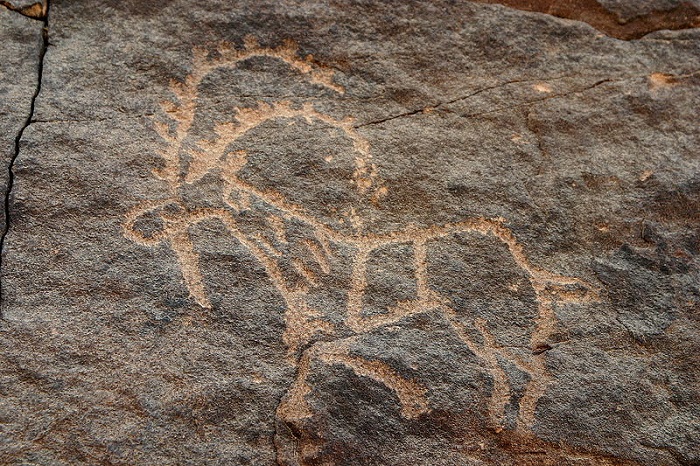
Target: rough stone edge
[684,16]
[37,10]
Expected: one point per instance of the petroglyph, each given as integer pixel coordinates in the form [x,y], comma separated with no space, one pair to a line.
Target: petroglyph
[309,336]
[411,395]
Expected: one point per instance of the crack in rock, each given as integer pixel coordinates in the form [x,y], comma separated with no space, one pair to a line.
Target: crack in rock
[18,140]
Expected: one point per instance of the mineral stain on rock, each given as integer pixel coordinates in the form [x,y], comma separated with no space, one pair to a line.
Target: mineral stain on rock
[353,233]
[36,10]
[622,20]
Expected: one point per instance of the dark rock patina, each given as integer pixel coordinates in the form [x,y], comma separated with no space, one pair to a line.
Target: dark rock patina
[350,233]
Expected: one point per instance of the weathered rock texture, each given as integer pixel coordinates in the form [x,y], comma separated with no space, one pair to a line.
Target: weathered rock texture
[624,19]
[20,56]
[29,8]
[352,233]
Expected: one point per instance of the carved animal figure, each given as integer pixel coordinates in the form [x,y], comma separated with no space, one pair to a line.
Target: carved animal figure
[274,250]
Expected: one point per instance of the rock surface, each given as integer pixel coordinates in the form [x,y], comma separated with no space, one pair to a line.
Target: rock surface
[29,8]
[19,64]
[350,233]
[623,19]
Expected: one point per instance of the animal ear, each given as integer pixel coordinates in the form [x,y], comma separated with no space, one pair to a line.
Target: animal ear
[144,224]
[232,164]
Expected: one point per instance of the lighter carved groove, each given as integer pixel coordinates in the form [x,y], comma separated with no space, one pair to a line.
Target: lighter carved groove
[304,325]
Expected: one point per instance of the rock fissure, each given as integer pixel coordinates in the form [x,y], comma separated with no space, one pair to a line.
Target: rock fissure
[395,117]
[18,140]
[435,106]
[537,101]
[452,101]
[92,120]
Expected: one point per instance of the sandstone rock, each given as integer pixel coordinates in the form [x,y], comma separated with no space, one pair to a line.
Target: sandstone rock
[623,19]
[30,8]
[310,233]
[19,63]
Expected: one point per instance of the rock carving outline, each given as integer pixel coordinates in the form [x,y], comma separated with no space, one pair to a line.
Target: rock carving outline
[303,322]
